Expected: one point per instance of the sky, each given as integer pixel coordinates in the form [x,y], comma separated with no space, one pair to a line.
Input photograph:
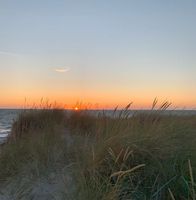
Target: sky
[101,53]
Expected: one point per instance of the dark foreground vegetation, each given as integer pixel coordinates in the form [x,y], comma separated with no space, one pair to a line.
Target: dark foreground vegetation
[54,155]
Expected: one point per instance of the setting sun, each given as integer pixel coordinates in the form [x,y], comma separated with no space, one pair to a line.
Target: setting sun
[76,108]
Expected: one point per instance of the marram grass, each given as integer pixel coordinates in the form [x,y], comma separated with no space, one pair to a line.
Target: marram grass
[77,156]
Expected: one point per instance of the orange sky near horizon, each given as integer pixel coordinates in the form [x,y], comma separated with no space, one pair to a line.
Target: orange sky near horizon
[96,100]
[28,87]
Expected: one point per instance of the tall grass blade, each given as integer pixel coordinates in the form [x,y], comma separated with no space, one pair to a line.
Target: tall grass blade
[192,180]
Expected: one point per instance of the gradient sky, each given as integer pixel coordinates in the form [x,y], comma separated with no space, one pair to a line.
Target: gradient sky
[103,52]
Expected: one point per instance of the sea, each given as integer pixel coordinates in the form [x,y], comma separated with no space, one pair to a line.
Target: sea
[7,117]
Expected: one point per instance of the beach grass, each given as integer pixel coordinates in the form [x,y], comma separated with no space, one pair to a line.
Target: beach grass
[77,155]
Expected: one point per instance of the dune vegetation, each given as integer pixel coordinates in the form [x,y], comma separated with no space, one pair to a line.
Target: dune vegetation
[54,154]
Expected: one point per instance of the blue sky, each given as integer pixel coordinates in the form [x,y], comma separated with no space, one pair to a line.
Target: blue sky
[116,51]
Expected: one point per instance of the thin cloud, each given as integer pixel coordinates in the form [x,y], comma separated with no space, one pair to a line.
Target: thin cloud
[62,70]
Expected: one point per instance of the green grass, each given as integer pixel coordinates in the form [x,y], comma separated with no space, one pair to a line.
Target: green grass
[146,156]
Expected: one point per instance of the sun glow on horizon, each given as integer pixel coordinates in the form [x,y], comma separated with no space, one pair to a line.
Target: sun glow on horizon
[95,103]
[76,108]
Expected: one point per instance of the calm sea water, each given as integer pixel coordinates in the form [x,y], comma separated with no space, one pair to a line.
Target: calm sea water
[7,117]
